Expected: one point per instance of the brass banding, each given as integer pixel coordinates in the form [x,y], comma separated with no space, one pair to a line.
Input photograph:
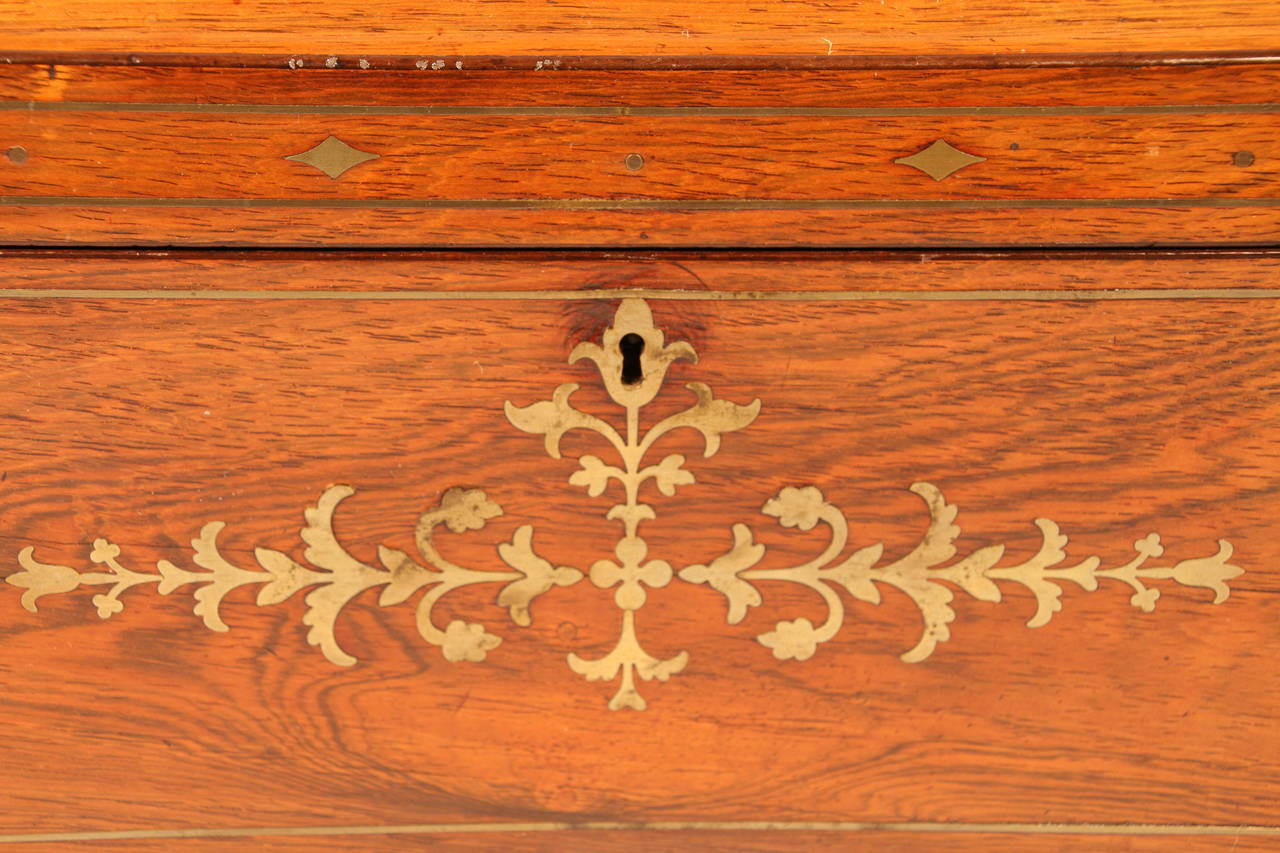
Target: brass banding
[656,111]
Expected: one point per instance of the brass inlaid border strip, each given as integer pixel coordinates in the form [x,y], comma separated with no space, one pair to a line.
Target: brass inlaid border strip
[672,295]
[1129,829]
[650,111]
[641,204]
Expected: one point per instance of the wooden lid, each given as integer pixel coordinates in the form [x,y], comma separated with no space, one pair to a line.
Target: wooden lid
[646,28]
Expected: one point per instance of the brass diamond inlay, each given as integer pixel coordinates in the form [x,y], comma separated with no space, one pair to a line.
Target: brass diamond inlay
[940,160]
[333,157]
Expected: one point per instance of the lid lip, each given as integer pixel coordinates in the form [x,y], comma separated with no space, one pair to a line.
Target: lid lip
[306,62]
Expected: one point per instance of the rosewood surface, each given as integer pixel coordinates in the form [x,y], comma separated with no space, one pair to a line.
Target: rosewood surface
[143,419]
[644,28]
[1126,156]
[195,330]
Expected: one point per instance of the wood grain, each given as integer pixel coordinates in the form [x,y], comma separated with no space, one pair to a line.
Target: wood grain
[92,225]
[144,419]
[644,62]
[88,154]
[797,275]
[743,841]
[1111,156]
[505,27]
[1129,82]
[146,393]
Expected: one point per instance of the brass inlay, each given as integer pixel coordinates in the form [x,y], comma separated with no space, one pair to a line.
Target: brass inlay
[554,110]
[921,573]
[640,204]
[940,160]
[632,359]
[633,364]
[333,157]
[692,826]
[337,577]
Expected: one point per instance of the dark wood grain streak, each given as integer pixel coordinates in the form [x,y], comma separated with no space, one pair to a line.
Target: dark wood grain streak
[144,420]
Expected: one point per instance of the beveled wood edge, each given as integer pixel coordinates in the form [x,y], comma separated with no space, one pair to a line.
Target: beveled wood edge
[850,827]
[376,62]
[26,274]
[20,286]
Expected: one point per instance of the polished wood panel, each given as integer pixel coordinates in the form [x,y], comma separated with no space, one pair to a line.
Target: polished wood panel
[786,275]
[662,27]
[478,159]
[1128,82]
[897,330]
[142,420]
[194,226]
[1131,155]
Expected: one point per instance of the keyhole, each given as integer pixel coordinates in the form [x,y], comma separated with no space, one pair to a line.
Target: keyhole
[631,346]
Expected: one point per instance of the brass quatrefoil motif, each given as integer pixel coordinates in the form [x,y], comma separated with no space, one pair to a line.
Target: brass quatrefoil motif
[632,359]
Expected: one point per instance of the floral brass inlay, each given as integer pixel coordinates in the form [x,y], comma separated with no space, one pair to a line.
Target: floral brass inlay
[918,574]
[632,572]
[337,576]
[632,359]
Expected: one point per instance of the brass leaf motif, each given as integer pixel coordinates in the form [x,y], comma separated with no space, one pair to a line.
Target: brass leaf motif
[924,578]
[633,359]
[632,571]
[333,157]
[940,160]
[334,576]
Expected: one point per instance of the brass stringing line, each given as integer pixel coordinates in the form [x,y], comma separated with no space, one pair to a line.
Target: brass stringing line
[604,204]
[1125,829]
[639,111]
[674,295]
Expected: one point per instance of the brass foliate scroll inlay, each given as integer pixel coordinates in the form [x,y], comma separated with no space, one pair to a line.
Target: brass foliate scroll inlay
[333,157]
[632,338]
[940,160]
[926,575]
[333,576]
[632,359]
